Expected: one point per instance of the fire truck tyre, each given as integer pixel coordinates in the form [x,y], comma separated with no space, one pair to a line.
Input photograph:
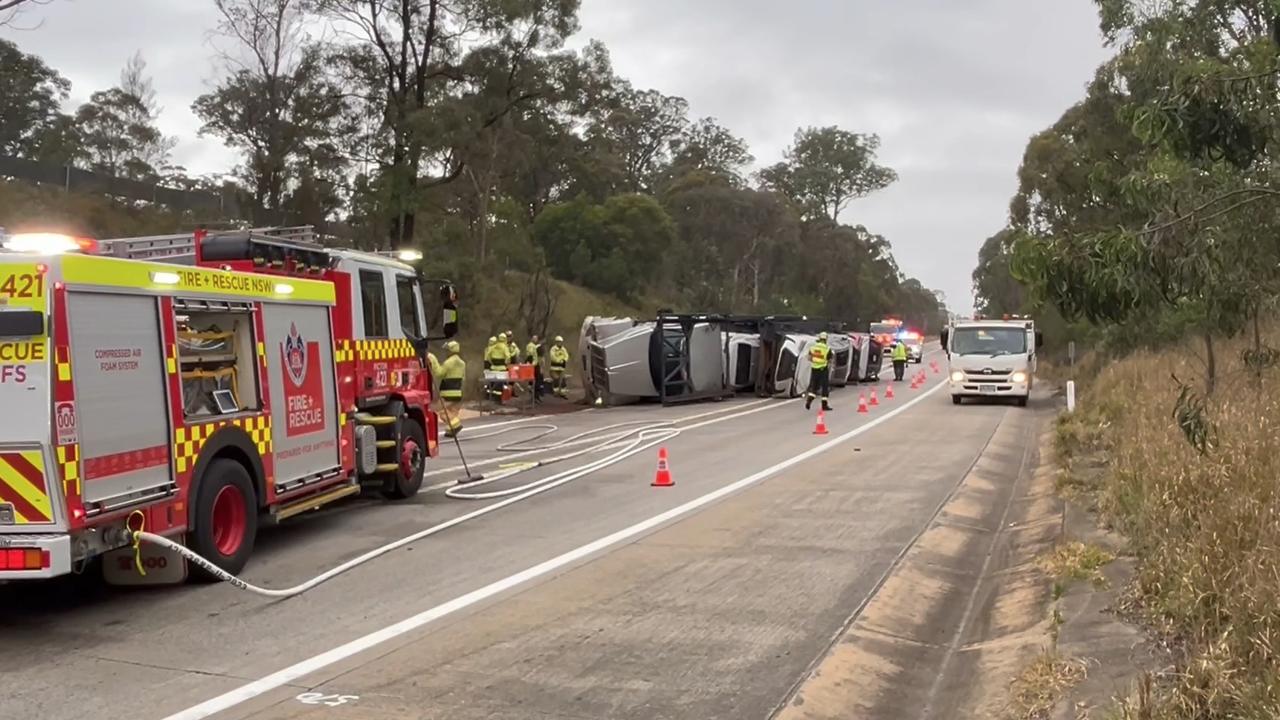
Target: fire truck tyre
[957,399]
[1022,401]
[226,519]
[413,459]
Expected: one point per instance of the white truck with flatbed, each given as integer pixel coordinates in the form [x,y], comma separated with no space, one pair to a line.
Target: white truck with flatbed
[991,358]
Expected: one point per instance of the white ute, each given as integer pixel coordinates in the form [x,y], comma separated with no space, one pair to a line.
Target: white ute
[991,358]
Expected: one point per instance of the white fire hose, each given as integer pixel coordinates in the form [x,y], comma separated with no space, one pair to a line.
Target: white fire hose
[643,436]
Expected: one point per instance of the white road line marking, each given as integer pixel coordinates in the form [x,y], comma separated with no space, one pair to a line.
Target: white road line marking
[301,669]
[740,412]
[506,457]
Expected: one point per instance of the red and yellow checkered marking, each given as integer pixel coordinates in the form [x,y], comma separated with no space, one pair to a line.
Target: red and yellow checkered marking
[69,462]
[22,486]
[342,351]
[384,349]
[188,441]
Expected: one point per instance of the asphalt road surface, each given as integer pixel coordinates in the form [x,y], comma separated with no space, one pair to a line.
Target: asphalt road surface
[601,598]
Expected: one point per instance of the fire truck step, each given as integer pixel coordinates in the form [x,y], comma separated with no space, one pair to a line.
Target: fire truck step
[387,467]
[367,419]
[385,444]
[315,501]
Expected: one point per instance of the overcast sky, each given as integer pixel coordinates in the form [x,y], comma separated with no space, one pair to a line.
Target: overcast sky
[954,88]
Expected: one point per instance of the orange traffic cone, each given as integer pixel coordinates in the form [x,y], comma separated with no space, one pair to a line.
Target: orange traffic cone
[663,477]
[821,427]
[874,400]
[888,393]
[862,403]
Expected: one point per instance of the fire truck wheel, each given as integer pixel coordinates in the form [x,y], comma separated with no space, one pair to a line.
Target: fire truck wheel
[226,517]
[412,455]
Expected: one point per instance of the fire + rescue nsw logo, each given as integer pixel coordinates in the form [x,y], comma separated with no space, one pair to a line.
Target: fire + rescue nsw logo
[304,390]
[295,356]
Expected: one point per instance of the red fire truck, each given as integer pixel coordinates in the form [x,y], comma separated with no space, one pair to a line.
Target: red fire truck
[886,331]
[201,384]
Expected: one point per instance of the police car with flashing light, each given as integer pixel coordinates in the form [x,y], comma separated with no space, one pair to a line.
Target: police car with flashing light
[915,345]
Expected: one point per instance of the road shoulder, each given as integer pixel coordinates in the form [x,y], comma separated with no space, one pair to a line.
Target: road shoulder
[967,608]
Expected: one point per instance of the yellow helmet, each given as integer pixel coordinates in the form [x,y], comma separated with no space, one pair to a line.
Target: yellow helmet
[492,339]
[502,337]
[559,339]
[822,336]
[453,346]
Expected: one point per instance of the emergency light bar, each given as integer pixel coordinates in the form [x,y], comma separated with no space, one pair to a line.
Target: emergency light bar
[49,243]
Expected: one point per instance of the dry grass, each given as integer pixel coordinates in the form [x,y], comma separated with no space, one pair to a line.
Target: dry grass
[1205,528]
[1076,561]
[1041,684]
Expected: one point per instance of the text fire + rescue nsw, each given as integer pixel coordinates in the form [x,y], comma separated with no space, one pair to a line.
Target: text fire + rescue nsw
[225,282]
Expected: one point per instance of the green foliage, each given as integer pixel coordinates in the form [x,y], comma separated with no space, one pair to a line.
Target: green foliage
[115,132]
[615,247]
[1145,206]
[31,124]
[826,168]
[282,111]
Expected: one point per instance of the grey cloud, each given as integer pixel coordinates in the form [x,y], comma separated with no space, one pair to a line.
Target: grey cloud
[954,89]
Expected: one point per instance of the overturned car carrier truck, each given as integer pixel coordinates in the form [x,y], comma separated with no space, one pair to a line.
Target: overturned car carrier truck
[686,357]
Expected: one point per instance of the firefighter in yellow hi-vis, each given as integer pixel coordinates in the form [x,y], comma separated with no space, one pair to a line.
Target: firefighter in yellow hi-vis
[450,375]
[559,357]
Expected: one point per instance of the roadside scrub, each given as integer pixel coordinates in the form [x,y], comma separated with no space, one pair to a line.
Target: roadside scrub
[1203,526]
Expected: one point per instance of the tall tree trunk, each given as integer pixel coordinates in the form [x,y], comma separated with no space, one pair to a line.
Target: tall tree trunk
[733,298]
[1210,365]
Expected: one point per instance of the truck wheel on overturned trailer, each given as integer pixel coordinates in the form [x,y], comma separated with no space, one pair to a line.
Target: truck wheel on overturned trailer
[412,457]
[226,518]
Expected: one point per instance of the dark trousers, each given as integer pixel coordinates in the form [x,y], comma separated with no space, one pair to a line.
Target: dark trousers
[819,385]
[899,369]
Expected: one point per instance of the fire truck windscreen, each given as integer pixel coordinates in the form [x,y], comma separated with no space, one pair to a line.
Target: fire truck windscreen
[884,328]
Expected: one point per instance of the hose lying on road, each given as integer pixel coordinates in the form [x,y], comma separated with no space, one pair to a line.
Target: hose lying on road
[627,442]
[643,434]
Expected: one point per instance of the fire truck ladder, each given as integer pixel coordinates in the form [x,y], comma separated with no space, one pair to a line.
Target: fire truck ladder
[180,249]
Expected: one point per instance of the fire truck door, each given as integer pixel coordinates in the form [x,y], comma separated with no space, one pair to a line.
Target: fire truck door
[118,369]
[304,423]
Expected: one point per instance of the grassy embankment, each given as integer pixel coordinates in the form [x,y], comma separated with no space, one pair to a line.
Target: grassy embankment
[573,304]
[1205,528]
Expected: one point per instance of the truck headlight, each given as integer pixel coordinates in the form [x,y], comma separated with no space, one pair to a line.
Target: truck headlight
[1019,377]
[957,376]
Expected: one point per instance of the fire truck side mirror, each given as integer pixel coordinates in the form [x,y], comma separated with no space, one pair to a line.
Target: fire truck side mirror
[1039,339]
[943,336]
[449,301]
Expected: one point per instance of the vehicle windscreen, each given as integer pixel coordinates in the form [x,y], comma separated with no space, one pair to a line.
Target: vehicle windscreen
[988,341]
